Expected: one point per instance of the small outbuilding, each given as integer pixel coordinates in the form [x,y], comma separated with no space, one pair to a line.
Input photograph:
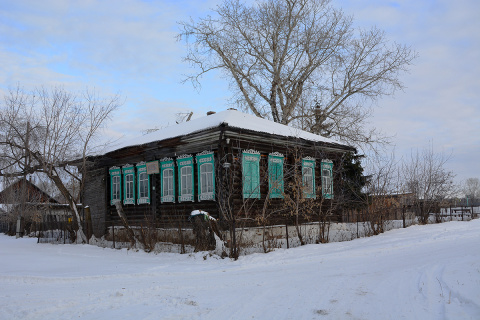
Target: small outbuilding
[24,199]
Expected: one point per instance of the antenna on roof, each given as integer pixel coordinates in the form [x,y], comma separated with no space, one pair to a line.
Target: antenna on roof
[183,117]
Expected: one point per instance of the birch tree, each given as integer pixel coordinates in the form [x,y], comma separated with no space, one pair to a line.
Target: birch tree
[41,131]
[298,62]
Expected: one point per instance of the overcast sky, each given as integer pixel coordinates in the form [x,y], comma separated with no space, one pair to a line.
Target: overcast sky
[129,47]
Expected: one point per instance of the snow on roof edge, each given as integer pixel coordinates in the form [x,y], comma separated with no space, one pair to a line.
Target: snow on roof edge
[231,118]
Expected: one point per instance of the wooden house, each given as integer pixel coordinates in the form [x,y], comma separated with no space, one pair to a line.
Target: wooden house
[229,164]
[22,198]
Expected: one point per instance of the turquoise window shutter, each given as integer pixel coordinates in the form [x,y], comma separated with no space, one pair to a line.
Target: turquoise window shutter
[205,176]
[128,184]
[251,174]
[143,184]
[326,168]
[185,178]
[308,177]
[275,175]
[115,185]
[167,178]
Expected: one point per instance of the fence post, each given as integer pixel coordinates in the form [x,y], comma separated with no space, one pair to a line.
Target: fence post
[403,216]
[286,230]
[64,229]
[88,222]
[235,256]
[113,234]
[20,227]
[357,224]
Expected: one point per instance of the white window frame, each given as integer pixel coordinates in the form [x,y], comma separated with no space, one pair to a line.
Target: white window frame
[327,179]
[206,178]
[186,187]
[185,178]
[168,191]
[115,185]
[143,184]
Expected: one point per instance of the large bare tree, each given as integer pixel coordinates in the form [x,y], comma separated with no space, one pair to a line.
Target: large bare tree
[298,62]
[41,131]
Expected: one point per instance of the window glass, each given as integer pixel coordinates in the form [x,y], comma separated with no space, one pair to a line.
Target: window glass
[308,179]
[186,183]
[206,178]
[143,184]
[168,182]
[129,186]
[116,188]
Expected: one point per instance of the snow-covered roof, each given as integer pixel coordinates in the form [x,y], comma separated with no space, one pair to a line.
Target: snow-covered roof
[231,118]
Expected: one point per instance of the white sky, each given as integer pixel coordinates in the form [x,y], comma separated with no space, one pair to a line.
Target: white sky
[129,47]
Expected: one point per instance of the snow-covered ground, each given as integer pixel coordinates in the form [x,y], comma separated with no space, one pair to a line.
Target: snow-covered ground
[421,272]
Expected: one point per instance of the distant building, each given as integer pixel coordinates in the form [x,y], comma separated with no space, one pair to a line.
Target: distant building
[23,198]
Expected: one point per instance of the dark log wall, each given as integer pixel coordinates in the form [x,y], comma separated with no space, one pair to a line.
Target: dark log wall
[251,210]
[227,144]
[95,196]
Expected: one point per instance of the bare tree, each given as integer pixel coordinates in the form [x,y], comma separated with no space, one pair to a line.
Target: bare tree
[298,62]
[426,176]
[471,188]
[384,183]
[41,131]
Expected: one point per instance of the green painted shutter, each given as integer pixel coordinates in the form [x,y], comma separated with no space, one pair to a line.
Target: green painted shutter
[128,170]
[115,174]
[327,178]
[275,175]
[204,159]
[309,192]
[251,174]
[167,164]
[142,171]
[184,195]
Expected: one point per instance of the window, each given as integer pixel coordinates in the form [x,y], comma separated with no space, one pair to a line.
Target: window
[275,175]
[167,180]
[129,184]
[308,177]
[186,183]
[206,176]
[115,185]
[251,174]
[143,184]
[185,174]
[327,179]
